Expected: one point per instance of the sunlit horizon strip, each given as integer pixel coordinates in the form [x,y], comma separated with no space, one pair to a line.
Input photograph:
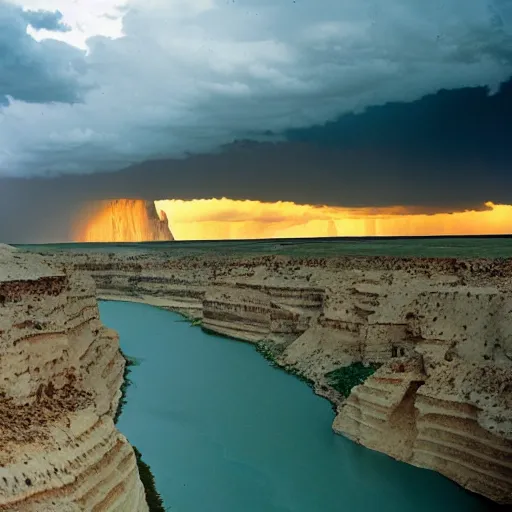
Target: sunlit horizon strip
[227,219]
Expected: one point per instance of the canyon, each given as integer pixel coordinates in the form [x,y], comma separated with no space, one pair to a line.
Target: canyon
[61,372]
[120,220]
[433,336]
[438,333]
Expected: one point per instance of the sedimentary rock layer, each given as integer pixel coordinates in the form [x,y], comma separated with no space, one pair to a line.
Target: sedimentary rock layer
[441,329]
[120,220]
[60,371]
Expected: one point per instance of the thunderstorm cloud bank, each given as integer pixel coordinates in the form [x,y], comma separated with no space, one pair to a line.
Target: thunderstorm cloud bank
[376,102]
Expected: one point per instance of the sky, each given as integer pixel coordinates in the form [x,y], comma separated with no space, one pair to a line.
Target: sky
[220,219]
[320,103]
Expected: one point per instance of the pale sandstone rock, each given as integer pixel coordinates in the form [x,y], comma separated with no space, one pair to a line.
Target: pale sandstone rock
[120,220]
[60,374]
[442,330]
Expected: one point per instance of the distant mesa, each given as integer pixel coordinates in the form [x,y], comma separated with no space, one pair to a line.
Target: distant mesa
[121,220]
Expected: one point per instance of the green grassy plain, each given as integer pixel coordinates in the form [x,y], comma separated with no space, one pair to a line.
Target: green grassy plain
[438,247]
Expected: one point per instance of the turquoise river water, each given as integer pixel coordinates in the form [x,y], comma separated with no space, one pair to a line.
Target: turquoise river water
[223,431]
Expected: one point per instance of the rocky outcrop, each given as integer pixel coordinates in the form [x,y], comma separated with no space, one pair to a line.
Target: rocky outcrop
[440,330]
[61,372]
[121,220]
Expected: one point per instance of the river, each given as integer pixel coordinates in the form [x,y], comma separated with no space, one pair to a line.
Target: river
[223,431]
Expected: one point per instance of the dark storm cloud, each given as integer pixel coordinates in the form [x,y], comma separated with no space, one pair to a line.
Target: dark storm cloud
[46,20]
[32,71]
[189,76]
[448,151]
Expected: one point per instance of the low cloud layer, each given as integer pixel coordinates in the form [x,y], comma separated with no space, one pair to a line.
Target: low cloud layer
[191,75]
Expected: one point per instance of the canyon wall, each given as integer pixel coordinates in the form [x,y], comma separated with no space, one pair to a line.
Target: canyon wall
[60,377]
[440,331]
[120,220]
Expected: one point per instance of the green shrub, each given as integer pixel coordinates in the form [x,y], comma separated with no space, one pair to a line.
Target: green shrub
[266,352]
[269,354]
[153,499]
[345,378]
[129,362]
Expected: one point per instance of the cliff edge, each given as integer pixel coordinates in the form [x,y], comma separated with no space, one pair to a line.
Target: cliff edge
[121,220]
[61,374]
[415,354]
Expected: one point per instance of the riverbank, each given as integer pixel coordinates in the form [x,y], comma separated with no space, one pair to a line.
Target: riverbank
[153,498]
[438,328]
[266,349]
[334,396]
[222,429]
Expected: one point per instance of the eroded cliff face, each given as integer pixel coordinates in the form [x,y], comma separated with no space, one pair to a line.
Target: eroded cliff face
[121,220]
[440,329]
[61,372]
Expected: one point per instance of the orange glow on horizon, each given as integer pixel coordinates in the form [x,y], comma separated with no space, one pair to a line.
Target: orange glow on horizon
[215,219]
